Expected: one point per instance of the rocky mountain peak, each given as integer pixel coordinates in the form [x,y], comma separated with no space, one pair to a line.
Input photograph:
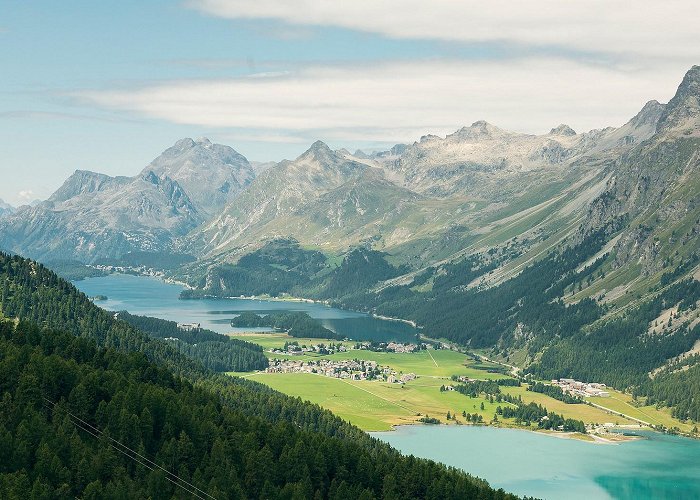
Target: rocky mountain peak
[682,112]
[81,182]
[319,151]
[563,129]
[649,114]
[184,144]
[478,130]
[211,174]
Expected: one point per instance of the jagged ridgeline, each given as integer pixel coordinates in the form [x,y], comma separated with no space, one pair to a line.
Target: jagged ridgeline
[85,413]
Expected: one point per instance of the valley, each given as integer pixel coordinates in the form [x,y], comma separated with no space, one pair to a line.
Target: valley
[292,250]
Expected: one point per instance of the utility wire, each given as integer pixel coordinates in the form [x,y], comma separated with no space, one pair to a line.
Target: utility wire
[142,460]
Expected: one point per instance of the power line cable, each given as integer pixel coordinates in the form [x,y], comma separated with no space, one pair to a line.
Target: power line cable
[142,460]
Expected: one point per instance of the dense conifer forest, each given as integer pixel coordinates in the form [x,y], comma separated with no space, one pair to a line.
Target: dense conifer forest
[295,324]
[91,407]
[216,352]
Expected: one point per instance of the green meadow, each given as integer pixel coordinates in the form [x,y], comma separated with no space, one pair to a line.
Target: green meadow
[376,406]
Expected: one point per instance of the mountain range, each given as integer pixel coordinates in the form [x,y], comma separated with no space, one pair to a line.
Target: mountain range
[93,215]
[208,200]
[533,246]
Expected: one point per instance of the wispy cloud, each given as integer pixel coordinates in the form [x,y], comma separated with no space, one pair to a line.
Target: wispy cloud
[401,100]
[26,195]
[645,28]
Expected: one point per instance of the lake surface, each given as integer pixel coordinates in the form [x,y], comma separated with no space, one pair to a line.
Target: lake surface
[658,467]
[152,297]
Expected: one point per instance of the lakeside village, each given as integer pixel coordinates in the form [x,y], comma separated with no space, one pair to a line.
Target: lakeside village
[350,369]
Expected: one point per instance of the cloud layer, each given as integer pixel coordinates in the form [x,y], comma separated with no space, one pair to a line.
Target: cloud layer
[399,101]
[639,29]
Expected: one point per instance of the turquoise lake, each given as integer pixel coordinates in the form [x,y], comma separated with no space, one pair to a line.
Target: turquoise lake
[153,297]
[658,467]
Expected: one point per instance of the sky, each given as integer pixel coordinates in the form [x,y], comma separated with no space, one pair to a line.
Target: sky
[107,86]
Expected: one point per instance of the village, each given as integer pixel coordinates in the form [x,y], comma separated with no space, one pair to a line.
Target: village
[350,369]
[389,347]
[576,388]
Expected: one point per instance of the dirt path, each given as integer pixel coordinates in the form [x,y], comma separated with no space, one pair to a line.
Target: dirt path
[431,357]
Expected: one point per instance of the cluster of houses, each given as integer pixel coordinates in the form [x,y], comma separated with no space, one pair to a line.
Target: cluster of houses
[584,389]
[345,368]
[389,347]
[189,327]
[351,369]
[294,349]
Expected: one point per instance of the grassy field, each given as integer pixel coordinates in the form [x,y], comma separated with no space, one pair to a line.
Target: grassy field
[622,403]
[587,413]
[374,406]
[271,340]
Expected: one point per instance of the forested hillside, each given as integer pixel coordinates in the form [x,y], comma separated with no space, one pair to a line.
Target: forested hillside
[216,352]
[86,413]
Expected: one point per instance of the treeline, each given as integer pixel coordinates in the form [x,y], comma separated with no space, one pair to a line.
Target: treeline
[555,392]
[162,261]
[483,318]
[296,324]
[677,386]
[476,387]
[216,352]
[30,291]
[280,266]
[229,437]
[529,413]
[473,388]
[73,270]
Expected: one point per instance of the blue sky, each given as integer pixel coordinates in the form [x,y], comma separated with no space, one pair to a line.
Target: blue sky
[107,86]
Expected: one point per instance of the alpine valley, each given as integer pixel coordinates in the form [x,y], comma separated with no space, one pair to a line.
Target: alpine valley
[567,254]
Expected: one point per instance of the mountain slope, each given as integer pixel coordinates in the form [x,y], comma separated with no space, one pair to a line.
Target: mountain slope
[86,414]
[5,208]
[94,216]
[278,191]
